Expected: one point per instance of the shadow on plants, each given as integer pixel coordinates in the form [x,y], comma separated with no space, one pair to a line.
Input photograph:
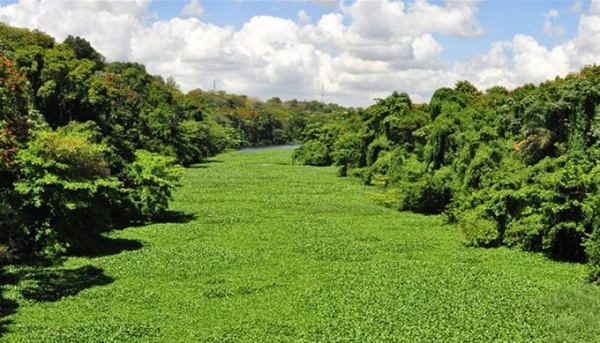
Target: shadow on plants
[567,247]
[54,284]
[7,306]
[106,246]
[175,217]
[204,164]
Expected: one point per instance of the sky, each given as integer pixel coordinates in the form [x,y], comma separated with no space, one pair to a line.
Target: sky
[348,52]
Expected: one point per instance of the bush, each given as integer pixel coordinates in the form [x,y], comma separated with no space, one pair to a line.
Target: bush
[378,172]
[65,189]
[477,230]
[525,232]
[313,153]
[348,152]
[438,191]
[376,149]
[152,178]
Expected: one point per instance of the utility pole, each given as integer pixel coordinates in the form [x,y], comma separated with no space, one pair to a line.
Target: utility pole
[322,92]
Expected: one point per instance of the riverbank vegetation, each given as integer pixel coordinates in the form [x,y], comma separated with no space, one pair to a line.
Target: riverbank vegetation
[268,251]
[516,168]
[88,145]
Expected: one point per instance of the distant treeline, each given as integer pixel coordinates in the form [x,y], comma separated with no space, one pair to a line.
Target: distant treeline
[518,168]
[87,145]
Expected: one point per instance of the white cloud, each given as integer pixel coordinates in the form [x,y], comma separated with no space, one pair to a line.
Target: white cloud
[364,50]
[192,9]
[524,60]
[577,6]
[585,47]
[377,19]
[303,17]
[326,3]
[595,7]
[513,63]
[549,28]
[426,49]
[108,25]
[535,63]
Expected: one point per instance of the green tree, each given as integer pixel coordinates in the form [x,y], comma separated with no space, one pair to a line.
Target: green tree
[66,189]
[84,50]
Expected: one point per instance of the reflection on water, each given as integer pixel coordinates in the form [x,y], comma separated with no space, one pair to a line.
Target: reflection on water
[258,148]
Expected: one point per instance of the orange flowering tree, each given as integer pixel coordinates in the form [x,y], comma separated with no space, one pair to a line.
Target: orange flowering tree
[14,112]
[14,132]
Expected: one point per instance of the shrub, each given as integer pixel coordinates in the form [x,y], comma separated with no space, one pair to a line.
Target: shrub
[404,169]
[431,194]
[486,159]
[378,171]
[477,230]
[438,192]
[348,152]
[525,232]
[312,153]
[375,149]
[152,178]
[65,189]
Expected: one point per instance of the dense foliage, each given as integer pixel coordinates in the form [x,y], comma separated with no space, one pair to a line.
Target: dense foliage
[516,168]
[87,145]
[251,122]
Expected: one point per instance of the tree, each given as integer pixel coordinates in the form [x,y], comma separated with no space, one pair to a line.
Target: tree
[15,108]
[66,190]
[83,49]
[15,129]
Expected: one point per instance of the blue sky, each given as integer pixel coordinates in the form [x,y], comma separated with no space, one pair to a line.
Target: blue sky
[232,12]
[357,50]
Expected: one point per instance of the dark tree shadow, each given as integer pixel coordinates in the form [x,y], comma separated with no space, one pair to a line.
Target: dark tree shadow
[106,246]
[43,280]
[212,160]
[54,284]
[204,164]
[7,306]
[175,217]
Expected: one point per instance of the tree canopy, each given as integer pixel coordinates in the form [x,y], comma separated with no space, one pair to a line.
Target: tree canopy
[88,145]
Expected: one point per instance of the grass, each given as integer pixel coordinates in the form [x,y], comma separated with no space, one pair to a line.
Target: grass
[264,251]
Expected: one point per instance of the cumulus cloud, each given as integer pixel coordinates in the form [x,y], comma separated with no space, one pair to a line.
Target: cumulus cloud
[595,7]
[577,6]
[303,17]
[359,51]
[524,60]
[192,9]
[549,28]
[108,25]
[379,19]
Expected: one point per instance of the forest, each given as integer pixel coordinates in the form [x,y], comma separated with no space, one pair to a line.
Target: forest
[87,145]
